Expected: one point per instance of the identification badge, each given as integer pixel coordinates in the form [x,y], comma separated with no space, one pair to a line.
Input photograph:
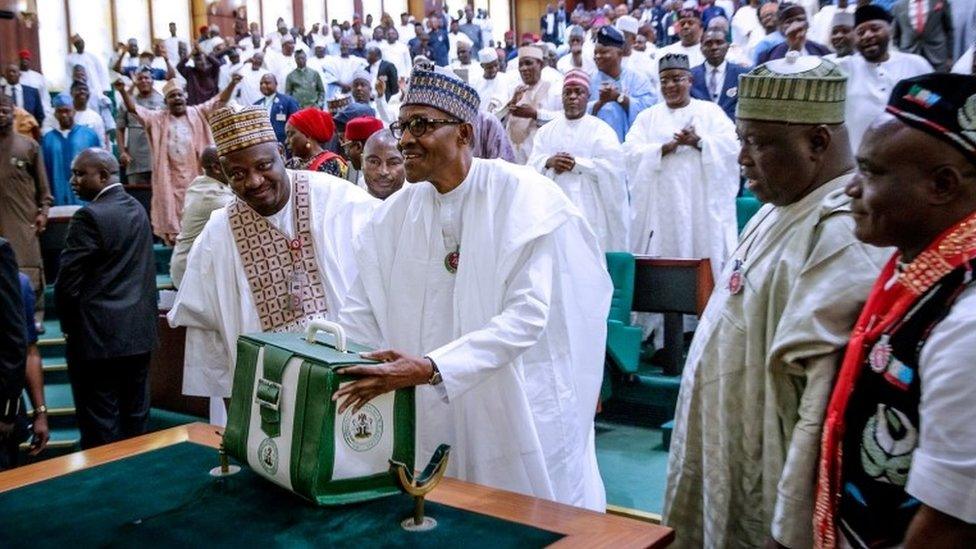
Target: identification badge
[280,117]
[296,285]
[736,281]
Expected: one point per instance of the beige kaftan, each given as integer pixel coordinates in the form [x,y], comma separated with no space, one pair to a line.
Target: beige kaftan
[759,373]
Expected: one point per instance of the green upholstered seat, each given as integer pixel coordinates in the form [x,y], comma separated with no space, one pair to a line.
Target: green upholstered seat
[623,340]
[745,208]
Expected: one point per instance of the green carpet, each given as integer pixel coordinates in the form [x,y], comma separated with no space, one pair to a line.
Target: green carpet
[166,498]
[634,465]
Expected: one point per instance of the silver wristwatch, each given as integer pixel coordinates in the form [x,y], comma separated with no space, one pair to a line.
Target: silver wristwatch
[435,377]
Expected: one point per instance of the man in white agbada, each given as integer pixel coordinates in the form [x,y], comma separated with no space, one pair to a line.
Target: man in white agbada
[822,23]
[339,70]
[493,85]
[631,59]
[747,31]
[249,90]
[294,228]
[581,154]
[486,270]
[760,369]
[689,26]
[534,102]
[576,58]
[95,68]
[682,173]
[874,70]
[396,52]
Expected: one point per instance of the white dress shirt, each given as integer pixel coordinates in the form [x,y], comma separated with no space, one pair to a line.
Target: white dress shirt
[719,72]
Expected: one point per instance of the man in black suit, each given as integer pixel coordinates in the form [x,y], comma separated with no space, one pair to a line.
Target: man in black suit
[106,300]
[717,80]
[386,71]
[924,27]
[25,97]
[13,355]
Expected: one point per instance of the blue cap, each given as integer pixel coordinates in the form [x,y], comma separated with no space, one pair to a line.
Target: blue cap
[609,36]
[62,100]
[350,111]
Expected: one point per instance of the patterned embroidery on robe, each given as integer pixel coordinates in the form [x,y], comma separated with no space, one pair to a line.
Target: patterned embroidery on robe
[282,273]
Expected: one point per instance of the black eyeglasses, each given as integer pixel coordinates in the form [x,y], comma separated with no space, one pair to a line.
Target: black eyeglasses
[418,126]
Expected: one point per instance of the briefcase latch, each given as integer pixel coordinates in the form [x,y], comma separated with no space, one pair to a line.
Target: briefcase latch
[268,394]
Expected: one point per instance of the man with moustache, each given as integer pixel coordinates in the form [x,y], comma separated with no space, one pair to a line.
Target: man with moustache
[487,290]
[761,366]
[896,463]
[296,227]
[874,70]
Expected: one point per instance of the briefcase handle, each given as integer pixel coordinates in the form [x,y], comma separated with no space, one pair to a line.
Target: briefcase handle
[316,326]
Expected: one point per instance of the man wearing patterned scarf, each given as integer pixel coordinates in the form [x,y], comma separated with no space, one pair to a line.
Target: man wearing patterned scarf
[487,289]
[270,261]
[897,462]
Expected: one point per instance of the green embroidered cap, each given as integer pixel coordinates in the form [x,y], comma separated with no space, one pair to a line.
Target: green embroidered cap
[796,89]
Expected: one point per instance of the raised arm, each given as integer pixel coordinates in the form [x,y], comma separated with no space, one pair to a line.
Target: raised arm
[130,105]
[228,92]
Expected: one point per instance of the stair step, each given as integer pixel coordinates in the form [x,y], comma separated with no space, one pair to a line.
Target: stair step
[60,439]
[55,370]
[58,399]
[54,364]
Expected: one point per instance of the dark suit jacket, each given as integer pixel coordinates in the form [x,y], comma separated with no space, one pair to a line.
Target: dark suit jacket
[728,97]
[32,103]
[779,51]
[13,337]
[389,71]
[283,107]
[936,41]
[106,287]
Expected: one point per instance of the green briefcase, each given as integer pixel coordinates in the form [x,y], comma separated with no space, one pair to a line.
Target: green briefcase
[283,424]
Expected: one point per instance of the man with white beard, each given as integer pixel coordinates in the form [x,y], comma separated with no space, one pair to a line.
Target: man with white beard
[488,292]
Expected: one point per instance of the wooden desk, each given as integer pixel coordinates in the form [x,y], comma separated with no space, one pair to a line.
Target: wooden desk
[582,528]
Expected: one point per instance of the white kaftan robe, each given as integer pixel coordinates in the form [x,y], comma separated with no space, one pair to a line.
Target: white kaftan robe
[759,373]
[518,333]
[494,92]
[870,84]
[683,204]
[597,184]
[215,302]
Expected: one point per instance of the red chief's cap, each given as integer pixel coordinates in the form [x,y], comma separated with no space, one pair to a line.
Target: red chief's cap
[359,129]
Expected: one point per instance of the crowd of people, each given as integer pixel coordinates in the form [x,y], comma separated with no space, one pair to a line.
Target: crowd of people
[449,198]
